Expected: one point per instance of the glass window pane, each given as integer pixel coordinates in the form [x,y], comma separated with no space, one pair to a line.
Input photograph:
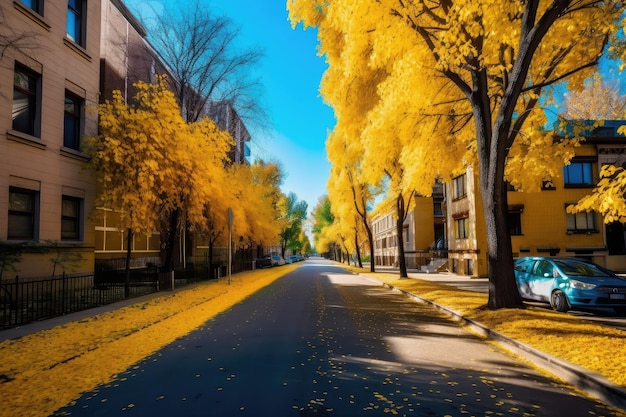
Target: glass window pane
[24,96]
[21,202]
[70,207]
[72,131]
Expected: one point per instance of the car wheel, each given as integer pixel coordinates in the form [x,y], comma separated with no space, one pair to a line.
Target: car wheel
[559,302]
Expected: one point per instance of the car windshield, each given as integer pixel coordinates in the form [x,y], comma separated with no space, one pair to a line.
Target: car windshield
[580,269]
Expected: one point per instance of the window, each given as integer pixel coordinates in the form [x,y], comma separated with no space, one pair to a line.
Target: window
[462,228]
[71,218]
[515,223]
[584,222]
[515,219]
[25,101]
[72,121]
[458,184]
[75,21]
[438,208]
[22,213]
[578,174]
[34,5]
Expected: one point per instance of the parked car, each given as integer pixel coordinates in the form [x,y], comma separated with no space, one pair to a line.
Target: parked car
[289,259]
[570,283]
[263,262]
[277,260]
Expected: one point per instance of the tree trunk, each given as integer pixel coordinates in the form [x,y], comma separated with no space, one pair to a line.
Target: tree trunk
[503,292]
[211,269]
[492,154]
[400,212]
[168,242]
[358,250]
[129,241]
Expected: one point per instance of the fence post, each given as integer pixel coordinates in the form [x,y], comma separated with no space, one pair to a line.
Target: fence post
[17,299]
[63,293]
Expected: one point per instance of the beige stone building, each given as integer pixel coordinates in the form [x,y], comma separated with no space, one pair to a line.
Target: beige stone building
[52,55]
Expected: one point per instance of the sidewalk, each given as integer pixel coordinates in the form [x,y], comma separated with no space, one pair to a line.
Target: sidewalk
[34,327]
[592,383]
[463,282]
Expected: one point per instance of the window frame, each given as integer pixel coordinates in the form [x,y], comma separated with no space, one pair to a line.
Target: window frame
[77,117]
[76,219]
[572,222]
[459,187]
[32,214]
[464,222]
[36,5]
[587,174]
[33,92]
[514,219]
[76,16]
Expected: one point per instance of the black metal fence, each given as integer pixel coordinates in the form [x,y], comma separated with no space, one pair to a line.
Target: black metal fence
[24,301]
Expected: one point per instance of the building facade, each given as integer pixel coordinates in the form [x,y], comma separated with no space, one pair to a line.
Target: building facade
[539,223]
[423,232]
[51,52]
[126,57]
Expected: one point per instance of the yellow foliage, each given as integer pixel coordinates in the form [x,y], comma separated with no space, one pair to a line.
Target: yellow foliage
[609,196]
[149,161]
[423,90]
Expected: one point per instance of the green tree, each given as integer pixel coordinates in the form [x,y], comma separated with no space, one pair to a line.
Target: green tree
[293,214]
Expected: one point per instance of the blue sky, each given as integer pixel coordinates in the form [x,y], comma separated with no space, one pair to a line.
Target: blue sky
[290,72]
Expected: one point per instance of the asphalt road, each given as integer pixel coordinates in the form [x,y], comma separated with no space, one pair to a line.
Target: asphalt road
[324,342]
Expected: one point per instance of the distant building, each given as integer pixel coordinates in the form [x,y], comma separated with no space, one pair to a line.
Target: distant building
[228,119]
[423,232]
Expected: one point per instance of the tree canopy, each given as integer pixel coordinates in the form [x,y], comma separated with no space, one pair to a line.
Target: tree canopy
[458,83]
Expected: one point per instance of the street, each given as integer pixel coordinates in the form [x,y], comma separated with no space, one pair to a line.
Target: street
[324,342]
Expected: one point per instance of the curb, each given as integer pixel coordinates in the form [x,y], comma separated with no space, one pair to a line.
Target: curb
[587,381]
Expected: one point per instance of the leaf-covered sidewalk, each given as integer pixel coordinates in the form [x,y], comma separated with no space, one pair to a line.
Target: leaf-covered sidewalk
[44,371]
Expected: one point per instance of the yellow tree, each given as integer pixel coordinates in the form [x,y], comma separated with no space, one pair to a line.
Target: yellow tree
[151,164]
[351,196]
[598,100]
[467,76]
[609,196]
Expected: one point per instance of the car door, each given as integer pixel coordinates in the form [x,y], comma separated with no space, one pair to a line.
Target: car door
[542,280]
[523,269]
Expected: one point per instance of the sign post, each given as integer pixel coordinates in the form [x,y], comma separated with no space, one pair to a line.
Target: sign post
[230,245]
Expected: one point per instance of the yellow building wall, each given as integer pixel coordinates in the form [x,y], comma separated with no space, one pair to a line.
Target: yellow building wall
[544,224]
[423,222]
